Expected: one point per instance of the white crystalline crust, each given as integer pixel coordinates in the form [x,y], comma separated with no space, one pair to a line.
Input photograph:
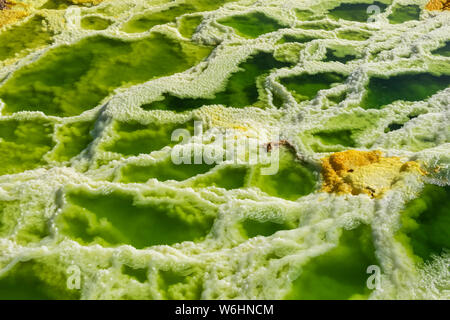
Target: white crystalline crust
[233,267]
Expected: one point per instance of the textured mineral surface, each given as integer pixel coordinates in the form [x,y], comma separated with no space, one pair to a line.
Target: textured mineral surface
[199,149]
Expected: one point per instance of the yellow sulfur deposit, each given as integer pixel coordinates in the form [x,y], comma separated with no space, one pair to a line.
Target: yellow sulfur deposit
[438,5]
[355,172]
[12,12]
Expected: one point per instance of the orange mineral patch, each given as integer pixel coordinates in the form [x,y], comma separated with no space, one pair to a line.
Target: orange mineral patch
[12,11]
[438,5]
[368,172]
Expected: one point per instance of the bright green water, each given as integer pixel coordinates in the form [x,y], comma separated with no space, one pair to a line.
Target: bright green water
[34,281]
[91,69]
[241,89]
[339,56]
[29,35]
[113,219]
[252,25]
[292,180]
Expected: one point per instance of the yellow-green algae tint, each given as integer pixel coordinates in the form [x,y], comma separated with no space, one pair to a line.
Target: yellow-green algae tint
[382,91]
[339,273]
[341,54]
[252,25]
[228,177]
[91,69]
[189,24]
[402,14]
[426,223]
[116,218]
[23,144]
[29,35]
[341,132]
[73,138]
[241,88]
[9,214]
[95,23]
[304,14]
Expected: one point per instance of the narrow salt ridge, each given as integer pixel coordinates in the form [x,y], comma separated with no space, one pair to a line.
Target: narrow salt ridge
[228,265]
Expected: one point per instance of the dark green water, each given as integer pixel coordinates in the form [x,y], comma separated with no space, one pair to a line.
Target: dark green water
[444,50]
[426,222]
[407,87]
[35,281]
[95,23]
[241,89]
[74,138]
[402,14]
[306,86]
[189,24]
[252,25]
